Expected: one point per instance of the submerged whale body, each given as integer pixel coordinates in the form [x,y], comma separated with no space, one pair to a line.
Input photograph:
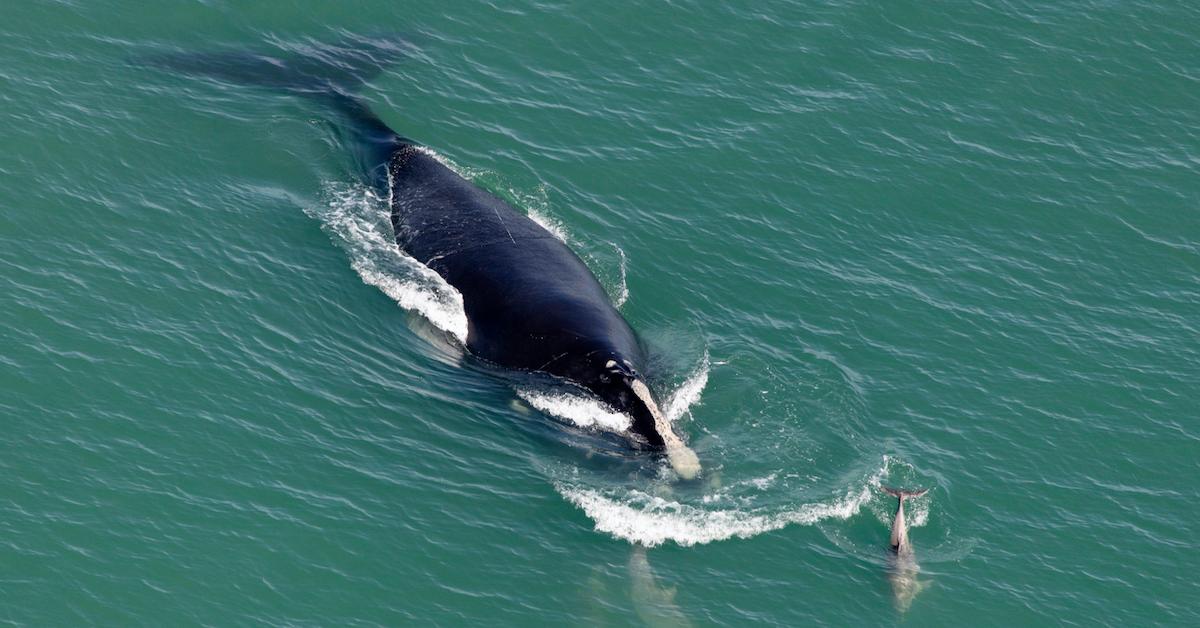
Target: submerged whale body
[531,303]
[904,572]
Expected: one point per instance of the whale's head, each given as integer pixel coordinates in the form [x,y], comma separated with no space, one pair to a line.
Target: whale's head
[614,382]
[621,386]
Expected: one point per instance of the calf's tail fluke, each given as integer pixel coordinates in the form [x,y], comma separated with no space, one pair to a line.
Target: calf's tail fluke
[903,494]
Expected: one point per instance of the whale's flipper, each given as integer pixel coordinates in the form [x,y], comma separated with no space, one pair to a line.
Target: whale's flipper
[903,494]
[330,74]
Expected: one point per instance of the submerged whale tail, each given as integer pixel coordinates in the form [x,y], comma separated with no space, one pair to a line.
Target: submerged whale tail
[330,74]
[902,494]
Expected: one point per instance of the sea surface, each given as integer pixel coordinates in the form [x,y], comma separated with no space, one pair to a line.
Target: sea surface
[952,245]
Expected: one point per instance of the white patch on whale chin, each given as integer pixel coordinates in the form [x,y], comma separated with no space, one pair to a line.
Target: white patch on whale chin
[360,222]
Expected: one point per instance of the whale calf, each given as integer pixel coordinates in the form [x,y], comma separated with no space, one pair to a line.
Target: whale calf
[531,302]
[903,570]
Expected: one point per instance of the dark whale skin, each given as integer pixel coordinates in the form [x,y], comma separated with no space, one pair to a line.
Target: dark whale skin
[531,303]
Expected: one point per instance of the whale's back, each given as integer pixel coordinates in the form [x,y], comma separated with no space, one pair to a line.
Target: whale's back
[530,301]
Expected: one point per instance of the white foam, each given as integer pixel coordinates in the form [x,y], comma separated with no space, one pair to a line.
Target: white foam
[623,287]
[916,511]
[589,412]
[763,483]
[648,520]
[466,173]
[549,224]
[742,492]
[578,409]
[688,394]
[359,220]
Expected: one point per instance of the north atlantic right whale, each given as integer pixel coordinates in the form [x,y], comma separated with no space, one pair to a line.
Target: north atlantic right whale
[531,303]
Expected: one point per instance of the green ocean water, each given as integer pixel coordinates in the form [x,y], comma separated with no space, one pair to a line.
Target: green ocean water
[943,244]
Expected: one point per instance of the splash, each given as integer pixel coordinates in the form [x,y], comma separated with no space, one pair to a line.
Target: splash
[916,511]
[688,393]
[470,174]
[549,224]
[589,412]
[622,289]
[639,517]
[901,473]
[582,411]
[359,221]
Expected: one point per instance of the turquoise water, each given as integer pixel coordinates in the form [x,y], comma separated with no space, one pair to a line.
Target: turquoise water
[939,244]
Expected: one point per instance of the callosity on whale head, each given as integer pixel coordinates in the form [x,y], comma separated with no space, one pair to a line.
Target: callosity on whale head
[618,384]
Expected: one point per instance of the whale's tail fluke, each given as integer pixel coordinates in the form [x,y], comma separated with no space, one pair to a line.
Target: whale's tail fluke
[330,74]
[902,494]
